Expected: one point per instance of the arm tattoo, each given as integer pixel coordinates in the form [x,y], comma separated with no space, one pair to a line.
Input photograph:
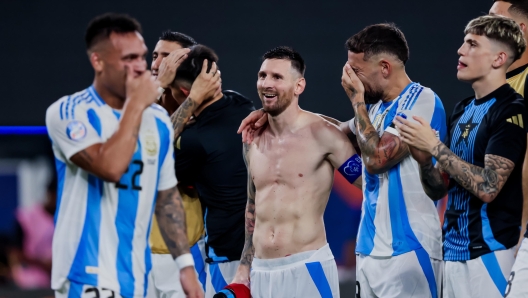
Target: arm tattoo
[485,183]
[432,182]
[382,153]
[171,219]
[249,250]
[182,115]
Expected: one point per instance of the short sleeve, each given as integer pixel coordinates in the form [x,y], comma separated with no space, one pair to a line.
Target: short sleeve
[352,125]
[429,107]
[167,175]
[75,131]
[508,133]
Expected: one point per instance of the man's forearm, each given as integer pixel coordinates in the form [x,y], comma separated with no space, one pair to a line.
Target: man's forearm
[432,181]
[367,136]
[171,219]
[485,183]
[182,115]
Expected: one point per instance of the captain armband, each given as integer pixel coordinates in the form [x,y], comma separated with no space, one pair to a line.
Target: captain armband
[351,169]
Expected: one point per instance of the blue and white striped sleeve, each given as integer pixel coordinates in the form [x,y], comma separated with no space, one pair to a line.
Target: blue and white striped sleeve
[72,127]
[167,174]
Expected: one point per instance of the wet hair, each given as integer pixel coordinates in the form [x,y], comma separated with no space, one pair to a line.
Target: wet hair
[184,40]
[501,29]
[103,25]
[377,39]
[191,67]
[287,53]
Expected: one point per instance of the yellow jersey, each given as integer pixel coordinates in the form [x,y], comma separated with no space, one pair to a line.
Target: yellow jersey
[193,219]
[517,79]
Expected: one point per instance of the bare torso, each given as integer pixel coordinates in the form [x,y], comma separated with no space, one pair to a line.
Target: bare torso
[293,179]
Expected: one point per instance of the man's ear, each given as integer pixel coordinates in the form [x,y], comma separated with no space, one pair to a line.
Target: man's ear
[96,61]
[299,87]
[386,68]
[500,60]
[184,91]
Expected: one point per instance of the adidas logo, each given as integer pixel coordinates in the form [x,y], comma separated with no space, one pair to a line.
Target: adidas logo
[517,120]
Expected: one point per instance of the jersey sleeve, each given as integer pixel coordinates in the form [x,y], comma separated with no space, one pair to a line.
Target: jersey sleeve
[508,132]
[352,125]
[428,106]
[73,129]
[167,175]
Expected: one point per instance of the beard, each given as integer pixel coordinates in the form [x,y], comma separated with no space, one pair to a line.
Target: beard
[278,107]
[373,96]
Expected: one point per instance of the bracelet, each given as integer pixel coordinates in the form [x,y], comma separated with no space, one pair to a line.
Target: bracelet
[185,260]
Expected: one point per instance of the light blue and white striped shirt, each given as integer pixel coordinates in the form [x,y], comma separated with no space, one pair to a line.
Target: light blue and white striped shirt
[102,228]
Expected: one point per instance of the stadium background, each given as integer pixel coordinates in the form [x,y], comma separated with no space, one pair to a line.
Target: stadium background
[44,58]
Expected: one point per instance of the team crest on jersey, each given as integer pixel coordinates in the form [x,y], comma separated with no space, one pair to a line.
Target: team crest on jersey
[76,130]
[150,144]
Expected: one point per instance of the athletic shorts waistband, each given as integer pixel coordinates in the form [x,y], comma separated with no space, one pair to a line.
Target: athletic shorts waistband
[322,254]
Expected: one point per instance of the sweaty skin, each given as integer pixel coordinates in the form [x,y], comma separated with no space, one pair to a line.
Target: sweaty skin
[293,175]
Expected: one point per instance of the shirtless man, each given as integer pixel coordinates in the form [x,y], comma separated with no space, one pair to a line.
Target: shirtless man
[290,173]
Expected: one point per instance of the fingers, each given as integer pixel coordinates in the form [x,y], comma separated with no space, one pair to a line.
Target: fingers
[251,118]
[129,73]
[260,122]
[420,120]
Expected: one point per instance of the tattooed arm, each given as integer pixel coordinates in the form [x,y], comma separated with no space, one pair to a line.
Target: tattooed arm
[171,219]
[433,182]
[242,275]
[485,183]
[205,87]
[379,153]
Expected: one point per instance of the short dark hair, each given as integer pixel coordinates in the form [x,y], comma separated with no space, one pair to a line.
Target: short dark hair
[183,39]
[501,29]
[517,6]
[191,67]
[380,38]
[287,53]
[103,25]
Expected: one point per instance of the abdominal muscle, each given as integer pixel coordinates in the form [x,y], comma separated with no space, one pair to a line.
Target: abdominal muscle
[289,219]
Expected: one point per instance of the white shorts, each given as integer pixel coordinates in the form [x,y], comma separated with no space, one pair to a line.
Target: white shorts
[413,274]
[164,278]
[76,290]
[518,282]
[485,276]
[219,275]
[306,274]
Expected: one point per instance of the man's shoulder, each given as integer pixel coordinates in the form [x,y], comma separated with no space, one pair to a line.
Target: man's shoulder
[66,107]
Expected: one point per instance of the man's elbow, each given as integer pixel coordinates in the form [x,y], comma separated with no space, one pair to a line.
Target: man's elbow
[487,198]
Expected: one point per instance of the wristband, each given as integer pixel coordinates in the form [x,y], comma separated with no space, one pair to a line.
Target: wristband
[184,260]
[351,169]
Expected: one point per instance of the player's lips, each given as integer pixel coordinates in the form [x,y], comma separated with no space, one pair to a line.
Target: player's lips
[461,65]
[269,96]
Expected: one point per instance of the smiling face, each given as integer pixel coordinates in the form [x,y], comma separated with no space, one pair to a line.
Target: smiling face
[277,85]
[477,55]
[369,72]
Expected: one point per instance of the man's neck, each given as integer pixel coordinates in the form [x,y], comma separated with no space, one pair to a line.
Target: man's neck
[488,84]
[107,96]
[522,61]
[401,80]
[284,122]
[207,103]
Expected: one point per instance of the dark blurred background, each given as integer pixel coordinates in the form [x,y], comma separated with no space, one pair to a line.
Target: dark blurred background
[42,46]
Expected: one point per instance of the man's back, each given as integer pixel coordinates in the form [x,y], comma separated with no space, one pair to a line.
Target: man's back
[293,180]
[101,227]
[209,157]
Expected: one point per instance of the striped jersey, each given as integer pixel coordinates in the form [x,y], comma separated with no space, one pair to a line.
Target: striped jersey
[102,228]
[397,216]
[491,125]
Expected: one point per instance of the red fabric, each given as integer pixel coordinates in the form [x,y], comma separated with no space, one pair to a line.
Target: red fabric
[240,290]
